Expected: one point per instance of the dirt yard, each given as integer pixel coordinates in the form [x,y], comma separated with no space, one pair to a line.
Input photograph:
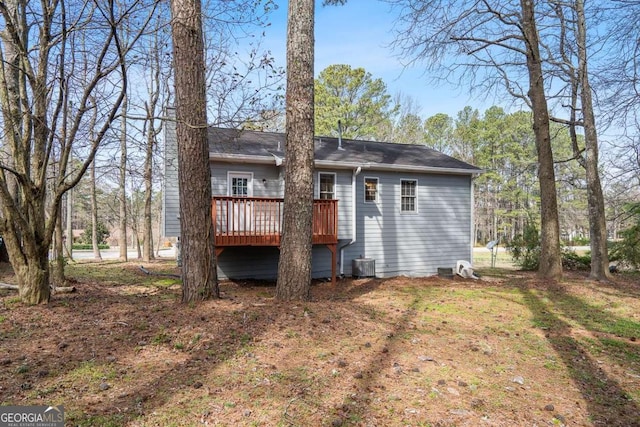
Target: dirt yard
[506,350]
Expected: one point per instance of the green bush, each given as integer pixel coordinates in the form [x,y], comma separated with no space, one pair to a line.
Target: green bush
[88,246]
[578,241]
[525,248]
[572,261]
[525,251]
[627,250]
[103,234]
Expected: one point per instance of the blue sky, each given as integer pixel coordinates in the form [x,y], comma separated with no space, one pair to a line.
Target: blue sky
[359,34]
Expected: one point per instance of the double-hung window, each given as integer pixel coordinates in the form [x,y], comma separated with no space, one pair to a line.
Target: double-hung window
[326,186]
[408,195]
[370,190]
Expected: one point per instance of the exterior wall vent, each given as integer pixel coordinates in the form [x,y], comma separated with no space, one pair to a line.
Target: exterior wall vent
[363,267]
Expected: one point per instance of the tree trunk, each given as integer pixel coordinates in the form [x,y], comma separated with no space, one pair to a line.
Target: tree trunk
[34,276]
[122,194]
[595,198]
[294,268]
[57,265]
[147,233]
[12,108]
[199,276]
[68,243]
[159,232]
[137,243]
[94,215]
[58,248]
[550,266]
[30,263]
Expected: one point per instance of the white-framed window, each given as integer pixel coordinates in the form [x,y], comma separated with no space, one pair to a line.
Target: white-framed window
[240,184]
[408,195]
[370,189]
[326,185]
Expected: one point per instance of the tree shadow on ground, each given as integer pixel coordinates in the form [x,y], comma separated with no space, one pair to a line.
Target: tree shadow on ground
[382,362]
[174,364]
[386,359]
[116,353]
[345,289]
[627,284]
[608,402]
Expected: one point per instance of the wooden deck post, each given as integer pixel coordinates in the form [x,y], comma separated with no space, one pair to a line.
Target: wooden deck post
[333,250]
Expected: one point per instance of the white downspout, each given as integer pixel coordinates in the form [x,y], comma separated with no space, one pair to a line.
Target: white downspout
[472,232]
[354,204]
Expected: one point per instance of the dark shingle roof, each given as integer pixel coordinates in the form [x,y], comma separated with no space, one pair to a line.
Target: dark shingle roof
[234,143]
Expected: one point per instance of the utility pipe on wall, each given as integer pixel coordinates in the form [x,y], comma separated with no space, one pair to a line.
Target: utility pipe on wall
[354,204]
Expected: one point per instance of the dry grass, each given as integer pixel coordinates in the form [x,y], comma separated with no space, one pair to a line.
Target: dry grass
[507,350]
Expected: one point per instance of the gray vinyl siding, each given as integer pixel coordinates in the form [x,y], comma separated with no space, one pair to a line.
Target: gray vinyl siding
[413,244]
[170,195]
[343,194]
[262,263]
[270,187]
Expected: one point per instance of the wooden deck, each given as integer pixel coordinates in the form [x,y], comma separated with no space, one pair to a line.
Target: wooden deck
[257,221]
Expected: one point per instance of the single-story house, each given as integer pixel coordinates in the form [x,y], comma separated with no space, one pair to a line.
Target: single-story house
[381,209]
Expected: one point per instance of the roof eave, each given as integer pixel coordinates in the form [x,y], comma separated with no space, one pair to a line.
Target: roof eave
[273,160]
[396,168]
[242,158]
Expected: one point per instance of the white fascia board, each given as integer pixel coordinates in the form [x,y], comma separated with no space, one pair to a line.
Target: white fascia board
[241,158]
[332,164]
[395,168]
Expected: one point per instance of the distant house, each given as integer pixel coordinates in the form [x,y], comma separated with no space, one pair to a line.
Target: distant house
[381,209]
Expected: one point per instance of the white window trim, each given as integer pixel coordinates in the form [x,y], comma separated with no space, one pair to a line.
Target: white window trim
[238,174]
[364,186]
[415,211]
[335,184]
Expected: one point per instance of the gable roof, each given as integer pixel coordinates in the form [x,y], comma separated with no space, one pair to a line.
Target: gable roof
[246,146]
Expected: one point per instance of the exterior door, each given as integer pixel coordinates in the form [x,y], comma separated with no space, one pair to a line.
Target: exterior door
[241,186]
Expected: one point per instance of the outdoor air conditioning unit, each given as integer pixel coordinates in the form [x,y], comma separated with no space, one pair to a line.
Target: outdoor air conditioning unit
[363,267]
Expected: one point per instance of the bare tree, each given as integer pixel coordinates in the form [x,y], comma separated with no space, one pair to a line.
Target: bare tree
[158,74]
[122,188]
[199,275]
[490,45]
[567,61]
[37,91]
[550,256]
[595,197]
[94,213]
[242,78]
[617,73]
[615,76]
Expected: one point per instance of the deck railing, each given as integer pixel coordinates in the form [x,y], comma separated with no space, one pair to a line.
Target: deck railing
[257,221]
